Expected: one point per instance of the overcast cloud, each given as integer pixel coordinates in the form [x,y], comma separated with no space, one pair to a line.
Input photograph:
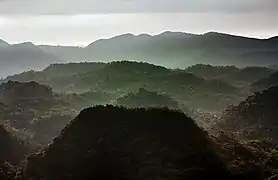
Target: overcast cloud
[137,6]
[79,22]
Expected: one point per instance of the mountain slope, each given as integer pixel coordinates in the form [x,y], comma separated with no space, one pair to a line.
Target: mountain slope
[265,83]
[3,43]
[120,78]
[32,111]
[146,99]
[171,49]
[118,143]
[237,76]
[22,57]
[177,49]
[254,118]
[12,149]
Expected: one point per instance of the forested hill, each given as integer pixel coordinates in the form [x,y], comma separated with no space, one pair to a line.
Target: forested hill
[111,76]
[116,143]
[231,74]
[108,142]
[146,99]
[12,149]
[254,118]
[122,77]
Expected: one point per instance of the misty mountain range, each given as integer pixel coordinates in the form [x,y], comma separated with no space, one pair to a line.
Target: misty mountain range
[171,49]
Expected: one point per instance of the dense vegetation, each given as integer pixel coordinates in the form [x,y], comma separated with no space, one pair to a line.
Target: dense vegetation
[33,112]
[12,149]
[115,143]
[146,99]
[231,74]
[254,118]
[121,78]
[12,152]
[231,132]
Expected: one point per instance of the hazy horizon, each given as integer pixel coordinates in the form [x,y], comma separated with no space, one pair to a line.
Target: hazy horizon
[66,22]
[136,34]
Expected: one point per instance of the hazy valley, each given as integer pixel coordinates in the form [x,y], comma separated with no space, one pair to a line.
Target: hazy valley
[170,49]
[170,106]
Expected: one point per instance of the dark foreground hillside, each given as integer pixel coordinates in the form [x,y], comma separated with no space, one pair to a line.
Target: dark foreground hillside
[119,143]
[256,117]
[12,151]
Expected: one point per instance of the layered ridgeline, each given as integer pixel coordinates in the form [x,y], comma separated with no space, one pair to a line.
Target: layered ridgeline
[241,77]
[176,49]
[120,78]
[22,57]
[254,118]
[118,143]
[146,99]
[32,111]
[36,114]
[171,49]
[265,83]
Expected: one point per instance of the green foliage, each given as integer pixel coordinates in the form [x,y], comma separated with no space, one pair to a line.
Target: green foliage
[120,78]
[146,99]
[230,74]
[251,159]
[254,118]
[12,149]
[114,143]
[14,91]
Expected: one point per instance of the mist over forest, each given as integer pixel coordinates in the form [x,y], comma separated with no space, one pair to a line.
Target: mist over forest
[144,104]
[169,49]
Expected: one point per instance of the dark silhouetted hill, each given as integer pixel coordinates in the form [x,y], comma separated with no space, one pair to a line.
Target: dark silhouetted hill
[118,143]
[12,152]
[12,149]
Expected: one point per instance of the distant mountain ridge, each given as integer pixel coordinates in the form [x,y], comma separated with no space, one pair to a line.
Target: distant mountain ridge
[122,77]
[22,57]
[3,43]
[171,49]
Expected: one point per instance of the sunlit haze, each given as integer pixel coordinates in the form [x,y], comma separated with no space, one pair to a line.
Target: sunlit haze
[71,23]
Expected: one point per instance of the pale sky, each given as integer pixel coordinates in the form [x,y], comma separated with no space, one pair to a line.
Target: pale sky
[79,22]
